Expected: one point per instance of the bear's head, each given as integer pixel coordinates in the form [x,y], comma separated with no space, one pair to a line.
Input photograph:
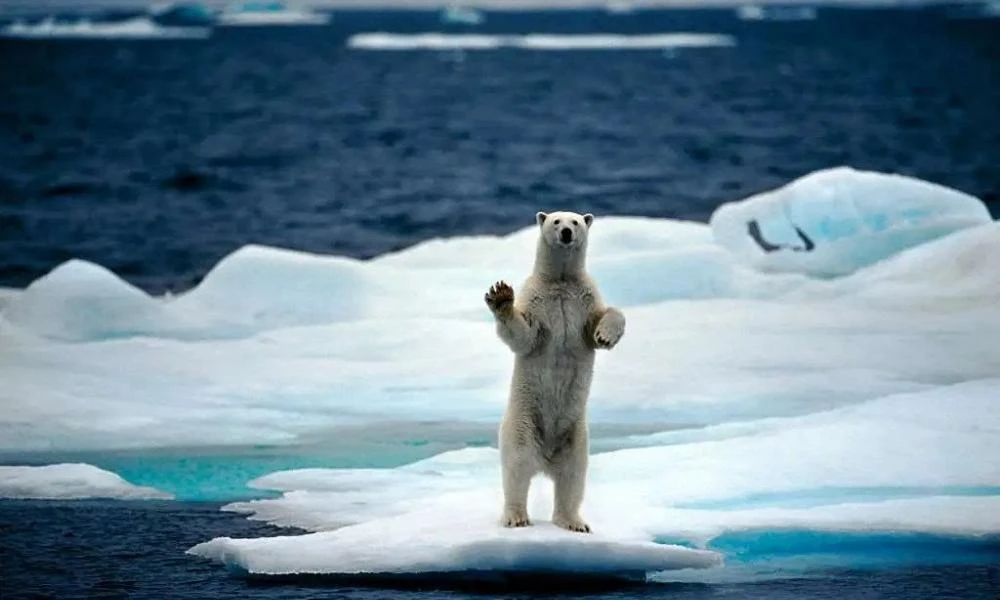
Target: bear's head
[565,230]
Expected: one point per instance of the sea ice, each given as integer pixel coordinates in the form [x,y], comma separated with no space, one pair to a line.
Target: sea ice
[810,473]
[455,536]
[836,221]
[536,41]
[285,347]
[135,28]
[743,400]
[70,481]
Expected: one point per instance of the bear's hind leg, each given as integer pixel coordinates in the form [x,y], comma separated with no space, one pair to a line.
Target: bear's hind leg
[569,473]
[517,474]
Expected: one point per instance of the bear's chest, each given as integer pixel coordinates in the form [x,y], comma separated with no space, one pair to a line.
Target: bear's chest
[563,310]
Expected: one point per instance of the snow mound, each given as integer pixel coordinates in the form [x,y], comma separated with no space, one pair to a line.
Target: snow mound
[70,481]
[80,301]
[956,270]
[835,221]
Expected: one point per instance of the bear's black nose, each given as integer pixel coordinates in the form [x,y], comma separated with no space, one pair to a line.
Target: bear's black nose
[566,235]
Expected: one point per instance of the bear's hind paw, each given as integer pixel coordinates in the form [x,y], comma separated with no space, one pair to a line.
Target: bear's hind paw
[515,518]
[576,524]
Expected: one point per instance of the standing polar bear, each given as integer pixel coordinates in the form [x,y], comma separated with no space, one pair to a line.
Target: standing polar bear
[553,328]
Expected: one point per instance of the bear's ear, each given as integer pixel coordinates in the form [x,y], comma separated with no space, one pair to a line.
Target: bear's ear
[588,219]
[540,217]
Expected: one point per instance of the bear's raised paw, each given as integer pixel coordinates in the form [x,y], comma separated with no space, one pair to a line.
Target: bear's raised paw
[500,298]
[609,330]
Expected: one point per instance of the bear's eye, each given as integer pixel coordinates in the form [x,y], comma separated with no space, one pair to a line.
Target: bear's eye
[556,222]
[576,223]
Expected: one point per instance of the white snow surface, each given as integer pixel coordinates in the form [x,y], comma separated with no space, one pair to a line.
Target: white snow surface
[449,537]
[68,481]
[853,219]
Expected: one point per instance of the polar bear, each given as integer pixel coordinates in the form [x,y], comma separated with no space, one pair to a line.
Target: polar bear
[553,327]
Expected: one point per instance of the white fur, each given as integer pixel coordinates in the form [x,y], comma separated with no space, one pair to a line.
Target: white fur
[555,324]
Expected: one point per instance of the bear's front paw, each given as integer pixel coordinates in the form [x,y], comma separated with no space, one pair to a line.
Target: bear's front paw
[515,517]
[572,524]
[500,298]
[609,331]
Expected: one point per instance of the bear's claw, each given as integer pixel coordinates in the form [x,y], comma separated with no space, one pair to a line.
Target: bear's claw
[608,333]
[516,518]
[572,524]
[500,298]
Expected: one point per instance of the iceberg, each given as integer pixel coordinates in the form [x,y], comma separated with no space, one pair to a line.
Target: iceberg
[536,41]
[460,15]
[836,221]
[757,12]
[135,28]
[256,13]
[182,14]
[619,7]
[70,481]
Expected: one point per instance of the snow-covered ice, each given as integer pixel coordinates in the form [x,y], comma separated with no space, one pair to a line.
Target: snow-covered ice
[850,388]
[447,538]
[70,481]
[810,472]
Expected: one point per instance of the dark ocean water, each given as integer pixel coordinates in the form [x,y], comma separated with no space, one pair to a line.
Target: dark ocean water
[105,549]
[157,158]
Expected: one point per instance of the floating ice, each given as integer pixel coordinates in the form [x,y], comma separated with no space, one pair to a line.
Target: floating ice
[136,28]
[836,221]
[934,475]
[757,12]
[70,481]
[461,15]
[255,13]
[537,41]
[858,405]
[452,537]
